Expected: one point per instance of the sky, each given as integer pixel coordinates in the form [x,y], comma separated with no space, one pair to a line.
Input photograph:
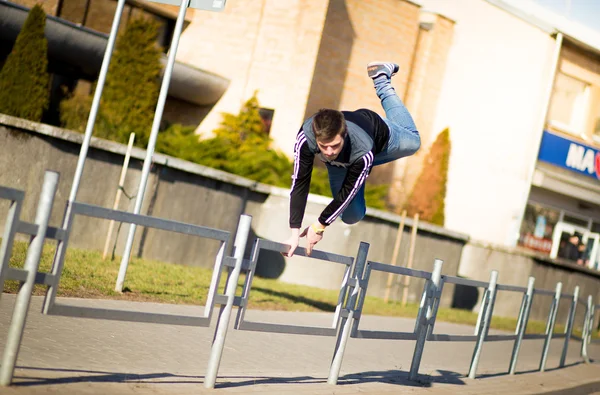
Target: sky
[586,12]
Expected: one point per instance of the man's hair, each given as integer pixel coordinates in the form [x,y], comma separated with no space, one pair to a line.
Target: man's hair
[328,123]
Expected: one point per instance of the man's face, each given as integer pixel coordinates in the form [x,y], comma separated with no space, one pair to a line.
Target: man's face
[331,148]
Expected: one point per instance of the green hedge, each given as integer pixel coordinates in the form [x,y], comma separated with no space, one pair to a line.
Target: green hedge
[24,78]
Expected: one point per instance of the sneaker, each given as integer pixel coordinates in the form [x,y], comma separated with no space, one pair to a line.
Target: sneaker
[375,69]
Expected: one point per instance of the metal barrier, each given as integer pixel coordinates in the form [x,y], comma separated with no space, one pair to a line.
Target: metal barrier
[29,276]
[346,317]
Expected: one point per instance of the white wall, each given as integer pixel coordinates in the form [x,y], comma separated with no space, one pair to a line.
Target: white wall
[492,99]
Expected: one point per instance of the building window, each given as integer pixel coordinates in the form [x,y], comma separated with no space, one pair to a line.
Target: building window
[568,108]
[98,15]
[266,114]
[538,227]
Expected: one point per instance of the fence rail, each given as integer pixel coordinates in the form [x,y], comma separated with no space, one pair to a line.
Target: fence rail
[346,318]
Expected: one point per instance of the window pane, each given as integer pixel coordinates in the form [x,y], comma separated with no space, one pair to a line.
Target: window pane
[567,101]
[537,227]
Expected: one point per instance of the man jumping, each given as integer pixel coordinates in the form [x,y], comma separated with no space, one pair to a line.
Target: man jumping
[350,143]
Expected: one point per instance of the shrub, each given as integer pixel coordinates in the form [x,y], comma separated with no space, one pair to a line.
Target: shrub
[429,192]
[24,79]
[130,92]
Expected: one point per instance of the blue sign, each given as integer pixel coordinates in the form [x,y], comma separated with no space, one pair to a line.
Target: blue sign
[569,154]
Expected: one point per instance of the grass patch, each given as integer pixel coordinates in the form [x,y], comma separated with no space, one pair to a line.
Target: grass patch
[86,275]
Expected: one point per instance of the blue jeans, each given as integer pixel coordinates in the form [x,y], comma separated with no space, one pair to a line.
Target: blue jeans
[404,141]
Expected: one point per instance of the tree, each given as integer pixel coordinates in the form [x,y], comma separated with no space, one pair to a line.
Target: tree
[130,92]
[24,79]
[429,192]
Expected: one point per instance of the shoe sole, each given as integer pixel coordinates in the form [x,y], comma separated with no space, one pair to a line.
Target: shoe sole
[396,69]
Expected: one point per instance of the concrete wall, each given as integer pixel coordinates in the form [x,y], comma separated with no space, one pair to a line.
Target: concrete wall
[514,267]
[190,193]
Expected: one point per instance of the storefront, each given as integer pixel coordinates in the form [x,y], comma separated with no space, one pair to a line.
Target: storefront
[562,217]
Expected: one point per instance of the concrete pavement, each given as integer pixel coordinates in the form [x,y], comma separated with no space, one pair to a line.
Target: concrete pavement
[86,356]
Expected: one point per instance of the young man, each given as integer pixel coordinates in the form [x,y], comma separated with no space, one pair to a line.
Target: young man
[350,143]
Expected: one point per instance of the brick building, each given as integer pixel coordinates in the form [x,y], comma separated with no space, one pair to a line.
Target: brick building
[518,87]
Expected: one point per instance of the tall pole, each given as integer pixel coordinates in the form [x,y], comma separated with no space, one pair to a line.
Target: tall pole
[160,106]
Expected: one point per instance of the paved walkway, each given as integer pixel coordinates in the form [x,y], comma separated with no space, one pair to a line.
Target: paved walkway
[85,356]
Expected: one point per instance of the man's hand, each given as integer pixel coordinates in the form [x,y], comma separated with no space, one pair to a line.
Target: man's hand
[292,242]
[314,234]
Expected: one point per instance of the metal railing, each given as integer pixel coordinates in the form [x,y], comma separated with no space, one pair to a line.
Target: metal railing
[348,310]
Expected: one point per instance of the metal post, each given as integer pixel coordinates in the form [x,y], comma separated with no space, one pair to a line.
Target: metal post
[587,330]
[522,325]
[423,326]
[8,237]
[486,320]
[482,305]
[550,326]
[111,225]
[569,328]
[241,238]
[160,106]
[61,245]
[346,323]
[32,262]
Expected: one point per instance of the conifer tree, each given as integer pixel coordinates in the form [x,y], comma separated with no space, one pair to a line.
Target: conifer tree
[24,78]
[429,192]
[130,92]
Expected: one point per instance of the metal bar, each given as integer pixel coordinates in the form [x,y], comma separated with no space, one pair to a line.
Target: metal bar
[32,262]
[544,292]
[422,306]
[248,283]
[551,322]
[301,251]
[57,264]
[484,328]
[158,113]
[482,306]
[21,275]
[346,323]
[522,324]
[127,315]
[382,267]
[31,230]
[436,304]
[566,296]
[434,286]
[222,300]
[229,262]
[215,279]
[27,228]
[85,144]
[569,329]
[533,337]
[289,329]
[119,192]
[511,288]
[346,280]
[357,313]
[11,194]
[441,337]
[90,210]
[521,311]
[587,330]
[466,281]
[8,236]
[388,335]
[241,238]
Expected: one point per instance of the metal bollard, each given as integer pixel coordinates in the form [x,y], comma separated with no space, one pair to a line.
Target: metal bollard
[241,238]
[550,326]
[346,323]
[433,290]
[522,324]
[10,229]
[485,325]
[569,328]
[587,329]
[32,262]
